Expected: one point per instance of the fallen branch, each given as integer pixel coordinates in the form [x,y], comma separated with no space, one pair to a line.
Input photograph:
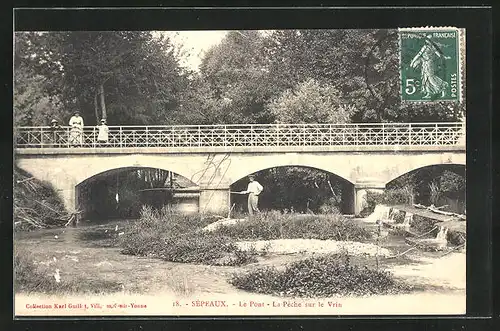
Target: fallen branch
[72,219]
[453,249]
[421,235]
[401,254]
[55,211]
[436,210]
[25,180]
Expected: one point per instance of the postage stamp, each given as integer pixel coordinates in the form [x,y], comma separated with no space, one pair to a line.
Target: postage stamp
[430,64]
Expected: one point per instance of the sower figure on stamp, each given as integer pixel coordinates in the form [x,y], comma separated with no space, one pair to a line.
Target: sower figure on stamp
[253,190]
[427,57]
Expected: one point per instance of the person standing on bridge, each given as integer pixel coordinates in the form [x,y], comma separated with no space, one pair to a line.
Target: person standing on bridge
[54,128]
[76,133]
[102,137]
[253,190]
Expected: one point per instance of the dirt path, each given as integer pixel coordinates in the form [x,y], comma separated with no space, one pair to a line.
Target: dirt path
[83,254]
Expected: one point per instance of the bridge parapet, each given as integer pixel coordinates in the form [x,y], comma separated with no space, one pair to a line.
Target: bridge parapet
[241,136]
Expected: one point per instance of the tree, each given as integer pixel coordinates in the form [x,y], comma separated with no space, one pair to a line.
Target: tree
[33,105]
[432,182]
[362,64]
[452,185]
[199,105]
[235,70]
[130,77]
[311,102]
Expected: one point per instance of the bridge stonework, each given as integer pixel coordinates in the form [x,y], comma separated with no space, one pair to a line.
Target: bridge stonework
[215,169]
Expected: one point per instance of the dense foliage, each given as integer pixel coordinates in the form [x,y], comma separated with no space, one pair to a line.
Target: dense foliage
[36,203]
[297,189]
[322,276]
[120,194]
[275,225]
[126,77]
[136,78]
[177,238]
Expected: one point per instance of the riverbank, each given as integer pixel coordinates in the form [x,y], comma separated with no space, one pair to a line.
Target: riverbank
[87,255]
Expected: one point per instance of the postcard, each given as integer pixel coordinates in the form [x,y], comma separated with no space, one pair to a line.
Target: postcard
[240,172]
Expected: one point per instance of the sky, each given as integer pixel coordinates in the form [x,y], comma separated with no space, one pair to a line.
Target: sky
[195,43]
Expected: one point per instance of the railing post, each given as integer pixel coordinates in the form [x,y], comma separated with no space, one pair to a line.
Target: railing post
[147,137]
[251,135]
[330,138]
[68,135]
[225,136]
[94,138]
[436,142]
[409,134]
[383,134]
[41,137]
[121,137]
[199,136]
[277,134]
[304,135]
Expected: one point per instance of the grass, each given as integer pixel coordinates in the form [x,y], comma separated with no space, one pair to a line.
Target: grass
[30,277]
[179,283]
[275,225]
[177,238]
[323,276]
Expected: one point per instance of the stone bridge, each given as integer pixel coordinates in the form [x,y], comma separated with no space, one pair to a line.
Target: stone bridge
[214,157]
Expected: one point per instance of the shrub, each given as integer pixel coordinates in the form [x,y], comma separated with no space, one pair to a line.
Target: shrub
[330,206]
[274,225]
[456,238]
[178,238]
[322,276]
[36,203]
[398,196]
[423,224]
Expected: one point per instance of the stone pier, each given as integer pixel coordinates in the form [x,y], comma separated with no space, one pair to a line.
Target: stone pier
[214,201]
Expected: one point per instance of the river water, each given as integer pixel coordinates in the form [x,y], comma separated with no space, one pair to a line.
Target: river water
[88,254]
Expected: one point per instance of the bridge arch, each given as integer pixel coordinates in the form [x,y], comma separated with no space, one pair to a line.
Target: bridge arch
[410,167]
[121,192]
[246,167]
[90,168]
[446,190]
[301,195]
[259,169]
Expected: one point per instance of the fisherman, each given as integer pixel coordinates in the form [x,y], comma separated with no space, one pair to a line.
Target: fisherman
[253,190]
[102,137]
[76,133]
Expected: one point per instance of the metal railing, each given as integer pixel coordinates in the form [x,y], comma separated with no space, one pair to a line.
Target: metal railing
[248,135]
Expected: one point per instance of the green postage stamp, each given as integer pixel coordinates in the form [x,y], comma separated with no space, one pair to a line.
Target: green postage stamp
[431,64]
